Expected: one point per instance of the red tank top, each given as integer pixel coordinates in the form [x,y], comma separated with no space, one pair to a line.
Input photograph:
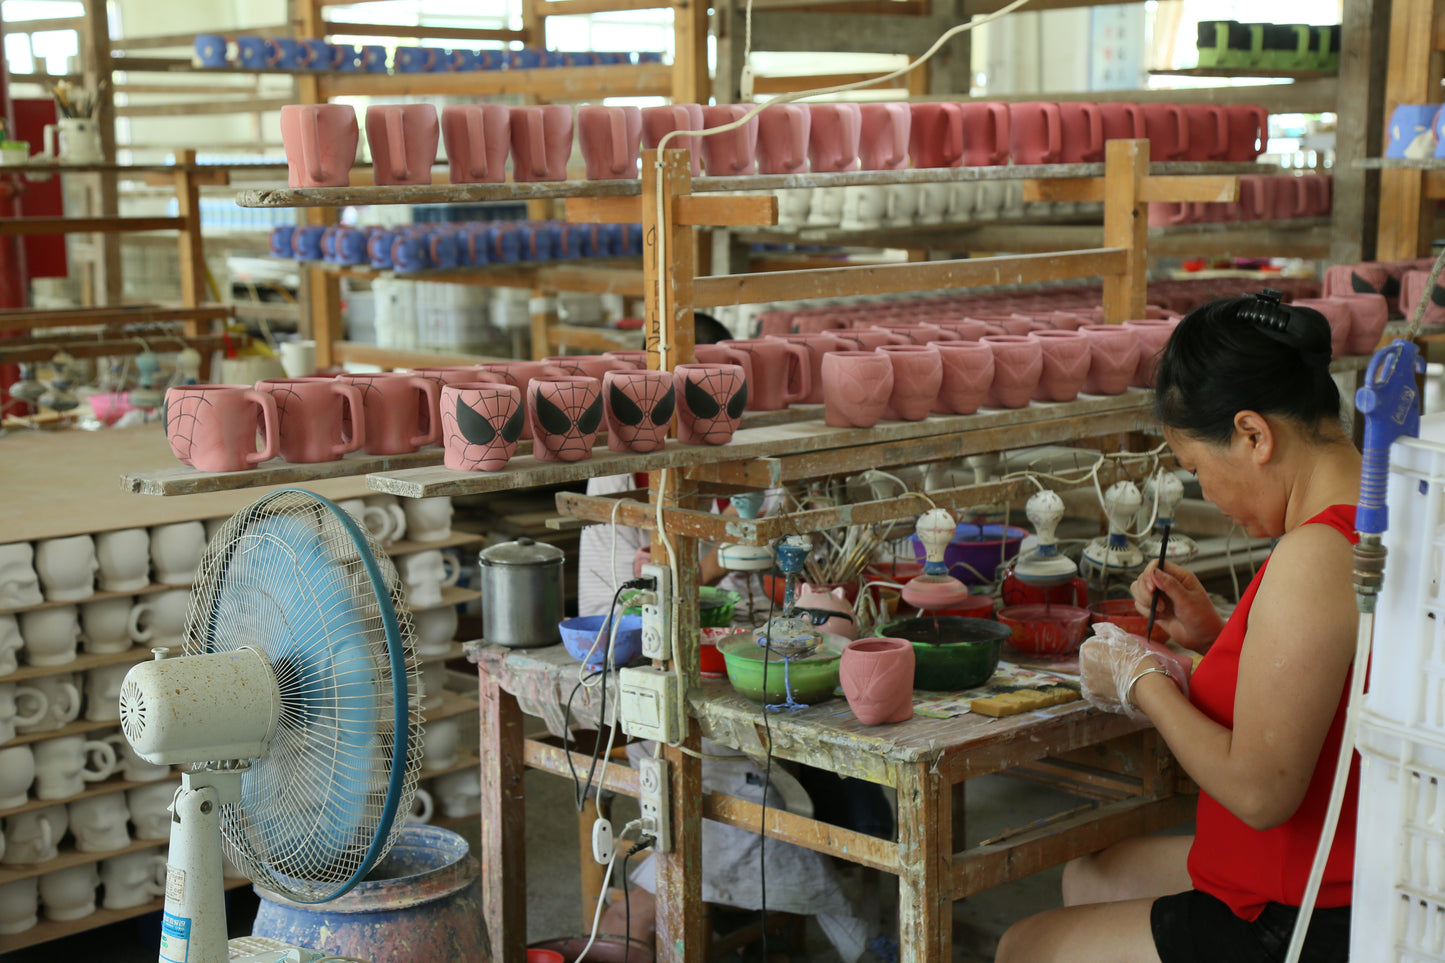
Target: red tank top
[1248,868]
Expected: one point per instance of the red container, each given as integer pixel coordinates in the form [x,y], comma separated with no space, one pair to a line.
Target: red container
[1045,630]
[710,661]
[1122,613]
[977,607]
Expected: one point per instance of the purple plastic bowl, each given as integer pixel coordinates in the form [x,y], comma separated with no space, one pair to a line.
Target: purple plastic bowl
[976,547]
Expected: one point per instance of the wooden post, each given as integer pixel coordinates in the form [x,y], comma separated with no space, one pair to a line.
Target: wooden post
[322,289]
[191,250]
[1126,225]
[680,934]
[690,81]
[504,821]
[925,888]
[1413,73]
[95,48]
[1360,132]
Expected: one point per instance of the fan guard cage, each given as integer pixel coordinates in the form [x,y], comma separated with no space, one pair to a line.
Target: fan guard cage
[295,577]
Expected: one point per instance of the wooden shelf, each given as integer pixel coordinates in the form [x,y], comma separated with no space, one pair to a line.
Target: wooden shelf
[1400,164]
[35,226]
[451,595]
[453,540]
[455,651]
[81,663]
[47,930]
[547,83]
[584,275]
[1244,72]
[104,788]
[465,760]
[12,319]
[80,727]
[97,596]
[70,857]
[453,704]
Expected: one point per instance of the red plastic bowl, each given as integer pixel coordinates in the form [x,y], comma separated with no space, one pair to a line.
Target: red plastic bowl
[1122,613]
[977,607]
[1045,630]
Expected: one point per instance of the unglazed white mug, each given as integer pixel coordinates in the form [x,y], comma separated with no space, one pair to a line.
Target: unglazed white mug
[63,766]
[66,567]
[149,810]
[20,705]
[441,744]
[132,767]
[176,552]
[17,775]
[102,693]
[436,629]
[132,879]
[69,894]
[19,585]
[62,703]
[52,636]
[34,837]
[10,644]
[433,684]
[162,616]
[108,626]
[19,906]
[428,519]
[422,808]
[124,559]
[426,573]
[459,793]
[100,824]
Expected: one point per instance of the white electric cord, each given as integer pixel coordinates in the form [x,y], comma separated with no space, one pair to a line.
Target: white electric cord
[606,880]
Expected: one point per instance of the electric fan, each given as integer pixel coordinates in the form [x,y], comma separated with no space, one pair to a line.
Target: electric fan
[296,705]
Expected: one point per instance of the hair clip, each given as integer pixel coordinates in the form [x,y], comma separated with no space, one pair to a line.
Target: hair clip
[1280,322]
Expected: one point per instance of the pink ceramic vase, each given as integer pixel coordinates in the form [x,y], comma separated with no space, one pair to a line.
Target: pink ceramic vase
[394,406]
[478,138]
[588,365]
[320,142]
[481,425]
[967,375]
[319,418]
[818,346]
[917,376]
[1113,358]
[780,375]
[710,402]
[1018,363]
[833,140]
[883,143]
[657,122]
[734,152]
[1153,336]
[610,139]
[541,142]
[1339,316]
[856,388]
[639,405]
[213,427]
[403,140]
[783,133]
[1369,313]
[1066,365]
[566,413]
[877,678]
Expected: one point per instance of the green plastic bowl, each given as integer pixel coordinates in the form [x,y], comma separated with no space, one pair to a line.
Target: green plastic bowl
[950,652]
[813,678]
[715,606]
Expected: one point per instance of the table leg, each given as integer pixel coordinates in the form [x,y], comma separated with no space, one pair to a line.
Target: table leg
[925,843]
[503,857]
[680,934]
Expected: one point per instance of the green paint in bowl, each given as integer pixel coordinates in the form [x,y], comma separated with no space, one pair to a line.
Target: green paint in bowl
[950,652]
[813,678]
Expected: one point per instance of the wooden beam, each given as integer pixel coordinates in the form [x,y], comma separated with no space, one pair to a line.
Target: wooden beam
[1161,189]
[215,178]
[251,105]
[85,225]
[23,353]
[896,278]
[821,837]
[18,319]
[1413,74]
[555,84]
[1126,225]
[341,28]
[580,277]
[161,41]
[573,8]
[565,336]
[691,209]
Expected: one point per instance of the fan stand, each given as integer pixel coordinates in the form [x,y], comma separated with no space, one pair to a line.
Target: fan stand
[193,929]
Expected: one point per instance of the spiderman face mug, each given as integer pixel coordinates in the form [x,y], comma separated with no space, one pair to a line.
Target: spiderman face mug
[640,406]
[711,399]
[566,413]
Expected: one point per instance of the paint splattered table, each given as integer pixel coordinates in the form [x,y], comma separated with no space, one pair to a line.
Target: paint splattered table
[1123,771]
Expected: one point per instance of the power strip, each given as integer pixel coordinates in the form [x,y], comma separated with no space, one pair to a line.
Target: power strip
[653,777]
[657,614]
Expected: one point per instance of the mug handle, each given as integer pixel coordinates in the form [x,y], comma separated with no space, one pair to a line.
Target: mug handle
[617,117]
[1095,117]
[1001,131]
[272,427]
[800,137]
[453,569]
[1181,124]
[1221,132]
[536,134]
[1262,121]
[476,142]
[396,145]
[953,130]
[804,376]
[429,388]
[352,396]
[107,765]
[1136,117]
[377,520]
[26,691]
[428,807]
[1053,125]
[141,612]
[71,712]
[311,144]
[157,884]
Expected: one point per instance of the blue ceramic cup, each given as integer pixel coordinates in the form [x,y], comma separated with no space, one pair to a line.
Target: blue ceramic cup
[527,58]
[306,243]
[344,57]
[581,58]
[255,52]
[373,58]
[649,57]
[1411,131]
[442,249]
[632,240]
[350,246]
[414,60]
[211,50]
[378,247]
[463,60]
[318,54]
[504,244]
[472,245]
[280,240]
[607,240]
[539,242]
[409,253]
[288,54]
[554,58]
[491,59]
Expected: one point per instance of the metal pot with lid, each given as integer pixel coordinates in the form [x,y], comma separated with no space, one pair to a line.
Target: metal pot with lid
[522,586]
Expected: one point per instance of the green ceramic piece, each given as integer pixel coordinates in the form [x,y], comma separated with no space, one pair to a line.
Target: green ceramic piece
[813,678]
[966,656]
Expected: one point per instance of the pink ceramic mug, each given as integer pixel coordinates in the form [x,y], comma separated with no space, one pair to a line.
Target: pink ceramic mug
[818,346]
[611,139]
[213,427]
[320,142]
[566,413]
[477,138]
[319,418]
[1248,131]
[445,375]
[733,152]
[1167,129]
[519,374]
[1121,121]
[780,373]
[714,354]
[1208,132]
[985,133]
[833,139]
[1035,132]
[1256,197]
[403,140]
[1291,197]
[783,136]
[883,143]
[481,425]
[541,142]
[393,404]
[588,365]
[935,136]
[1081,131]
[658,122]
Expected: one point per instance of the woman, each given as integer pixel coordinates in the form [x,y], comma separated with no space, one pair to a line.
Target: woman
[1246,402]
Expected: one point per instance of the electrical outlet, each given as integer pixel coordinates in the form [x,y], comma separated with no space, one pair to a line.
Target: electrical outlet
[653,779]
[650,704]
[657,614]
[602,841]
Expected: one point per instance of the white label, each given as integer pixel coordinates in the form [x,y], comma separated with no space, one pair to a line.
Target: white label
[175,938]
[175,884]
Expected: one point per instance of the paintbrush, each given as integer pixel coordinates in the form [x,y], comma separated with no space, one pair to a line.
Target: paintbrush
[1154,601]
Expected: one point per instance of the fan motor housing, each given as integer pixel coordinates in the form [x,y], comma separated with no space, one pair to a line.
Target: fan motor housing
[200,708]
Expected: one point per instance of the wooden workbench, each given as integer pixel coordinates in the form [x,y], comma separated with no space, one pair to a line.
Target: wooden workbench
[1131,784]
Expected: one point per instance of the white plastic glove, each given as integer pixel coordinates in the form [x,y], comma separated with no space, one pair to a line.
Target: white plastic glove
[1110,662]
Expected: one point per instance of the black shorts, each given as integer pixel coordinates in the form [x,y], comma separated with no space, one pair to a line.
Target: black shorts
[1195,927]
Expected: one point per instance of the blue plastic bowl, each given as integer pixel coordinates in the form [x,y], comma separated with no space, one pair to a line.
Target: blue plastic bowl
[578,635]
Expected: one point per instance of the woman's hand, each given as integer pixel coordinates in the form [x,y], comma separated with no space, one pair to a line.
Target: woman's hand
[1185,611]
[1110,664]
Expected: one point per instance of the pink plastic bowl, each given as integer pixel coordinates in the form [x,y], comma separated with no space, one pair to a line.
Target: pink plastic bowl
[1045,629]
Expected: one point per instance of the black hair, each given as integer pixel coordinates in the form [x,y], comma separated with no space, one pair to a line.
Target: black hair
[1246,354]
[707,329]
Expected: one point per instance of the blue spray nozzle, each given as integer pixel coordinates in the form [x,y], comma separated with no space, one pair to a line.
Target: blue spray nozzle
[1390,404]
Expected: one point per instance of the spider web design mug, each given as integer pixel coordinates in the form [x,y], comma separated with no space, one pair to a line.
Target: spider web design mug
[481,424]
